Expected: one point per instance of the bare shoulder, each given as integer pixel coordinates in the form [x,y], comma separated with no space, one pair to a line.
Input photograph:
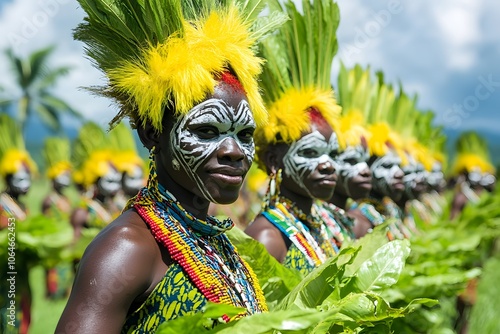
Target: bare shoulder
[361,223]
[118,268]
[261,226]
[269,235]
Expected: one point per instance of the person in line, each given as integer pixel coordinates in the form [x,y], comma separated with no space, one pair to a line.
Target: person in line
[298,147]
[190,89]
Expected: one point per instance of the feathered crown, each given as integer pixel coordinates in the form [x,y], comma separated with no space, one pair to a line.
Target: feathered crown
[167,54]
[296,75]
[91,154]
[472,153]
[122,143]
[56,152]
[13,154]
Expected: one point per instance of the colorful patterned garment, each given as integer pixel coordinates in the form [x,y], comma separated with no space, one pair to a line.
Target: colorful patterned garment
[393,211]
[206,266]
[311,246]
[434,202]
[98,216]
[174,296]
[59,278]
[337,221]
[375,213]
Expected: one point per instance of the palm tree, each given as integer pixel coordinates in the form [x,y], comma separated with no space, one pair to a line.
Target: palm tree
[35,78]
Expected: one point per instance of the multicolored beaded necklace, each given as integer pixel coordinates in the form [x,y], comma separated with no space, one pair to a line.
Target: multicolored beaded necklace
[337,221]
[11,206]
[287,217]
[201,248]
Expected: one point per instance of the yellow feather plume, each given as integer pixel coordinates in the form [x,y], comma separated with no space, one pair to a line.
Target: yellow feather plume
[182,70]
[351,127]
[469,162]
[14,159]
[288,115]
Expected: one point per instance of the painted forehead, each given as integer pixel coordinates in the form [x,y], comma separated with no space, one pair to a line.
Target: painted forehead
[356,153]
[315,140]
[217,112]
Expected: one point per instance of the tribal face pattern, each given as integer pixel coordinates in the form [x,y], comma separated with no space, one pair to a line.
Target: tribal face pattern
[351,162]
[383,170]
[197,135]
[21,181]
[414,174]
[435,177]
[306,154]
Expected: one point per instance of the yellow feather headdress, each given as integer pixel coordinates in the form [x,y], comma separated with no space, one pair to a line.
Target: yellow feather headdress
[167,55]
[13,154]
[472,154]
[296,75]
[56,152]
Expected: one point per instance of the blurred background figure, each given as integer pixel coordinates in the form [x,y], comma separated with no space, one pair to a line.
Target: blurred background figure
[99,178]
[472,171]
[57,205]
[128,162]
[16,170]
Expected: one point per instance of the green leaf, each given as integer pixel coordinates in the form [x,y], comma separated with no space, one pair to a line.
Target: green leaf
[383,269]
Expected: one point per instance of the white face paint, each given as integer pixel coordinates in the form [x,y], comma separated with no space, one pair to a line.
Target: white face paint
[383,170]
[133,182]
[63,180]
[414,175]
[352,162]
[200,133]
[306,154]
[474,177]
[20,182]
[110,183]
[487,180]
[435,177]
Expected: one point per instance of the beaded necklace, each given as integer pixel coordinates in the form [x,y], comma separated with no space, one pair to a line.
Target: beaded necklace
[201,248]
[337,221]
[316,250]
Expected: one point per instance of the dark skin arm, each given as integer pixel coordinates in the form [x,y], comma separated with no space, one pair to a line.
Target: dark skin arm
[119,269]
[458,204]
[268,235]
[361,223]
[78,220]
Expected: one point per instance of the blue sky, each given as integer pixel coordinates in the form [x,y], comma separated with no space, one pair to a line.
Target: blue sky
[447,52]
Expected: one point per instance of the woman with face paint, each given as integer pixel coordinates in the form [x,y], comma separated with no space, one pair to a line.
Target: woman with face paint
[57,205]
[16,168]
[190,89]
[98,175]
[299,146]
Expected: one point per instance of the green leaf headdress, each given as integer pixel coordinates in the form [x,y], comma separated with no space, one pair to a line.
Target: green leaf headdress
[91,154]
[296,75]
[56,152]
[13,154]
[167,54]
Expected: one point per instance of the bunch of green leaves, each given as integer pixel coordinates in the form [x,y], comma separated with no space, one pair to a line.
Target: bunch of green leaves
[445,256]
[341,296]
[38,240]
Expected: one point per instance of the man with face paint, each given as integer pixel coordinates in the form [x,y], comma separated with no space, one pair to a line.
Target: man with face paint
[194,99]
[57,205]
[128,163]
[387,177]
[354,179]
[298,147]
[98,175]
[16,168]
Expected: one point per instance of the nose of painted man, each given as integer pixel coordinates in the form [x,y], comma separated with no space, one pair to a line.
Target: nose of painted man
[326,167]
[230,150]
[366,172]
[399,174]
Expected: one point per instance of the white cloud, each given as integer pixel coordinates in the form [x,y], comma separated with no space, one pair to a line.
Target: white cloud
[459,29]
